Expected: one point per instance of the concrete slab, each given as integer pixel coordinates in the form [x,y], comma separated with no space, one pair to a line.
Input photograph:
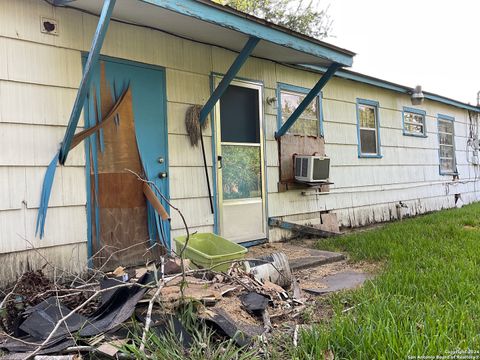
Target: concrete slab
[299,255]
[315,258]
[340,281]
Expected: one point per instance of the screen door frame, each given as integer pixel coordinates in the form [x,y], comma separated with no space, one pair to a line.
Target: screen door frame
[219,201]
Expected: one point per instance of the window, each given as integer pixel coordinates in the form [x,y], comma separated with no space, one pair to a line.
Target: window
[289,97]
[446,136]
[368,128]
[414,122]
[240,143]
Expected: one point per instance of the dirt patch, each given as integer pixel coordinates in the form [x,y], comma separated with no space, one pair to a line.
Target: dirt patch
[314,277]
[234,308]
[293,250]
[471,228]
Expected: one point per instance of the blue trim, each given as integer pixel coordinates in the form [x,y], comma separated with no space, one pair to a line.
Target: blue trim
[88,185]
[61,2]
[452,102]
[45,196]
[418,112]
[84,87]
[227,79]
[307,100]
[445,117]
[384,84]
[375,104]
[214,161]
[301,90]
[252,27]
[452,119]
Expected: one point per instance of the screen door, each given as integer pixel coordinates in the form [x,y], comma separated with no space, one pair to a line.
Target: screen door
[240,166]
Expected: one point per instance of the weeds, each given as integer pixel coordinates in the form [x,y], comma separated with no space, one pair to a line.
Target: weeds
[426,302]
[205,345]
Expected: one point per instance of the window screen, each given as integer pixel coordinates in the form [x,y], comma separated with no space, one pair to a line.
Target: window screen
[368,129]
[447,146]
[239,115]
[414,122]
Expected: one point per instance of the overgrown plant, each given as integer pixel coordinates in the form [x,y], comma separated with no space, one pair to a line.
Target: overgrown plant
[205,345]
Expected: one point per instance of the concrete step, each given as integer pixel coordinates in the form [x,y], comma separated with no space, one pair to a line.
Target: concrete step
[315,258]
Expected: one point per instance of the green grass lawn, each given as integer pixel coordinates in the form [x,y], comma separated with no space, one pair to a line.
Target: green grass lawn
[424,301]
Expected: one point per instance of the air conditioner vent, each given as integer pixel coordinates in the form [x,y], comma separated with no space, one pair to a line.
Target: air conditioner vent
[311,168]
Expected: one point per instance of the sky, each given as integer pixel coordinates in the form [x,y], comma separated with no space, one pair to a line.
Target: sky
[435,44]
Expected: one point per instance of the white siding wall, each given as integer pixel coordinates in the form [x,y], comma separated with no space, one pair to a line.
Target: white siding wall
[39,76]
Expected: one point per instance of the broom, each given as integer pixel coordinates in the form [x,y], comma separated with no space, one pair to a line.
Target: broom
[194,132]
[192,124]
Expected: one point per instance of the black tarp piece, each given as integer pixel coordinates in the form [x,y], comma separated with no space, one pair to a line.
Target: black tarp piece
[115,316]
[163,324]
[43,317]
[254,302]
[117,307]
[242,334]
[55,346]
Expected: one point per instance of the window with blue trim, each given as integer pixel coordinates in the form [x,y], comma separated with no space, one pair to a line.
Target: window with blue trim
[414,122]
[368,128]
[309,122]
[446,140]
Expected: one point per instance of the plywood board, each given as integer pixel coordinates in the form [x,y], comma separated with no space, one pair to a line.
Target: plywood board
[290,145]
[120,203]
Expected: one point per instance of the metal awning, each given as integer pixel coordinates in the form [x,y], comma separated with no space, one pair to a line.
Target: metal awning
[210,23]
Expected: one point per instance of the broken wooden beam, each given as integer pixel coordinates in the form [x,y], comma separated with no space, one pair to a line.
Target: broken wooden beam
[302,229]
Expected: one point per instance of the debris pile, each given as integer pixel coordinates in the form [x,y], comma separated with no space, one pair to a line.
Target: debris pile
[99,314]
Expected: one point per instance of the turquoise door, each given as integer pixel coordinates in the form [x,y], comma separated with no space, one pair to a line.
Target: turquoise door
[135,140]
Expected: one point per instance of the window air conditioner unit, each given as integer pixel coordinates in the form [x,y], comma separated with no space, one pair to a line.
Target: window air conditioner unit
[311,168]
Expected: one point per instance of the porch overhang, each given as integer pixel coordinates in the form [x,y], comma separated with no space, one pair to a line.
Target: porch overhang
[210,23]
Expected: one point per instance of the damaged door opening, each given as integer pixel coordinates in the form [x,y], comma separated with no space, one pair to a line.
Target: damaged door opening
[240,186]
[135,140]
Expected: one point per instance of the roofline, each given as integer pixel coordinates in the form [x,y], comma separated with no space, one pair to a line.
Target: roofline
[276,26]
[249,25]
[384,84]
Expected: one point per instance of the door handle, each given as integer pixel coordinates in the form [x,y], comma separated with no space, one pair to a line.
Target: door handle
[219,158]
[162,175]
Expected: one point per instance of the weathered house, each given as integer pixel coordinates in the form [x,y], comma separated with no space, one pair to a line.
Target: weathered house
[160,57]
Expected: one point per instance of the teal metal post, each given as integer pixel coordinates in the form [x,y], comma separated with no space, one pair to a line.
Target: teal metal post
[228,77]
[308,99]
[92,60]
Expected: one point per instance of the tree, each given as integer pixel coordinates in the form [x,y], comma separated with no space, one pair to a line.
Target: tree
[299,15]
